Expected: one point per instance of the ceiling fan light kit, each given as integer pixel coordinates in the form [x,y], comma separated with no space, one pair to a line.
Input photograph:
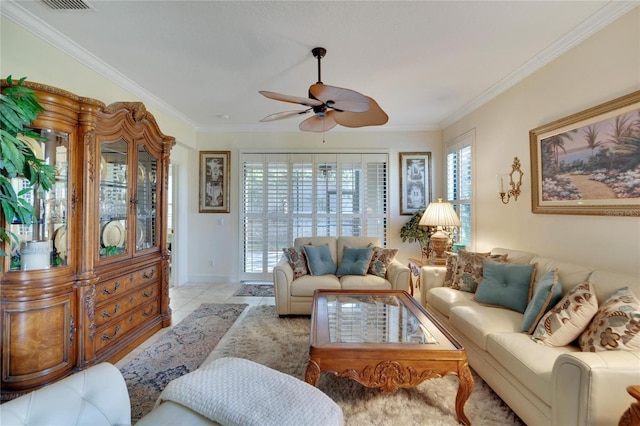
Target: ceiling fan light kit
[330,105]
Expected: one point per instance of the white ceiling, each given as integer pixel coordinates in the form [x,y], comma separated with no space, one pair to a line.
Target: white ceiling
[426,63]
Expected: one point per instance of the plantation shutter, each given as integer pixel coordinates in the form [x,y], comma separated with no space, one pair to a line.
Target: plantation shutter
[459,183]
[289,195]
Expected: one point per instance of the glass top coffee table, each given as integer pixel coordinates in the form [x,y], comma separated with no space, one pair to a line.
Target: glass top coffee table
[383,339]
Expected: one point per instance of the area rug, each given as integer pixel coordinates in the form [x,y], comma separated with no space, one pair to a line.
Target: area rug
[259,290]
[283,344]
[181,350]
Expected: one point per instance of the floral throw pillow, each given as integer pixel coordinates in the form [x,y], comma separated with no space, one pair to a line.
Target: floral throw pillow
[616,325]
[380,260]
[568,319]
[452,263]
[298,261]
[469,269]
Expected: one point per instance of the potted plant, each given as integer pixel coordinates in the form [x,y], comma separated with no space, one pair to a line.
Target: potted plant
[412,231]
[18,109]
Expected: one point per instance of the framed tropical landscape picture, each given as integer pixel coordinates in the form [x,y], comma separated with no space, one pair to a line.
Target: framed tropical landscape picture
[415,181]
[589,162]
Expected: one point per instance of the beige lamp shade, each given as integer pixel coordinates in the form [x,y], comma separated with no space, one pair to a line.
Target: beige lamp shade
[440,214]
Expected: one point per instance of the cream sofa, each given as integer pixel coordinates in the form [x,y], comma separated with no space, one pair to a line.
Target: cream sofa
[543,385]
[227,391]
[295,297]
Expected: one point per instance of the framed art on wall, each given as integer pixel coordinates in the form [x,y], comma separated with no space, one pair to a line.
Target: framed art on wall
[415,181]
[589,163]
[214,181]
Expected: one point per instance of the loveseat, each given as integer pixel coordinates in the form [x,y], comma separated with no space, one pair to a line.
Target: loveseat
[295,283]
[227,391]
[558,385]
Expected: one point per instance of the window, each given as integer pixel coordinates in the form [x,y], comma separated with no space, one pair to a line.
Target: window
[459,179]
[302,195]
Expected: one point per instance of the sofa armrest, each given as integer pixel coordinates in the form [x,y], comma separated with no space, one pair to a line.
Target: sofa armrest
[589,388]
[431,277]
[95,396]
[398,275]
[282,279]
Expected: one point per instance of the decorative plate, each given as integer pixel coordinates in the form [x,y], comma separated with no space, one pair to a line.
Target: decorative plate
[113,234]
[103,168]
[60,241]
[33,144]
[139,234]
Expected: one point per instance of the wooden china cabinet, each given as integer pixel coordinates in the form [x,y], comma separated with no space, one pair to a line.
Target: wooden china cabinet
[89,279]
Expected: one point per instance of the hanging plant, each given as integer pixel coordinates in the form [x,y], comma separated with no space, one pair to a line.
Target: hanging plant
[18,109]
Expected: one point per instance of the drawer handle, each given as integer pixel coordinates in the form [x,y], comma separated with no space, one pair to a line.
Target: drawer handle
[105,314]
[153,290]
[151,312]
[105,291]
[148,275]
[115,332]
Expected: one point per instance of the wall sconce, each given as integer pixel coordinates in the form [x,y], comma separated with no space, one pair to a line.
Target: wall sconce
[513,179]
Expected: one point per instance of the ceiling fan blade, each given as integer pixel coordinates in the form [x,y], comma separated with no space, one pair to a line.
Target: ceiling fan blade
[374,117]
[283,114]
[340,98]
[293,99]
[319,125]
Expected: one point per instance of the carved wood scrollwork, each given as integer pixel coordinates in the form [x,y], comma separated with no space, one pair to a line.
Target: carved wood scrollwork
[89,304]
[390,376]
[89,138]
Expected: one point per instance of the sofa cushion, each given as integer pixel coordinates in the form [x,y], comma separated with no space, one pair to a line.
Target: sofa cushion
[616,325]
[367,282]
[468,271]
[305,286]
[319,241]
[570,274]
[355,242]
[380,261]
[355,261]
[546,296]
[477,322]
[530,363]
[518,257]
[319,260]
[506,285]
[443,299]
[565,321]
[297,260]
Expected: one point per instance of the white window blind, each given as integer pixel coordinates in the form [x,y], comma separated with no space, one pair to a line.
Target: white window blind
[459,183]
[289,195]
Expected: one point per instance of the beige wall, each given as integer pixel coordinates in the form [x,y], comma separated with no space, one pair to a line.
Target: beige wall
[220,241]
[603,67]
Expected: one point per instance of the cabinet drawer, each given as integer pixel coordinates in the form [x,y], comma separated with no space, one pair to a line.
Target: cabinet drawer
[114,332]
[121,306]
[115,287]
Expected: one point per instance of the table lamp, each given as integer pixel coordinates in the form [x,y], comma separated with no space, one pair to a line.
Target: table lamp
[439,215]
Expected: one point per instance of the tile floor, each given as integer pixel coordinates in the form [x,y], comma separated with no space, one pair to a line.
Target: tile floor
[186,298]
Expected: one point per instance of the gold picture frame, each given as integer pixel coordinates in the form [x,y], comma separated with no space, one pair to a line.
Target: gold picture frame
[589,163]
[415,181]
[214,181]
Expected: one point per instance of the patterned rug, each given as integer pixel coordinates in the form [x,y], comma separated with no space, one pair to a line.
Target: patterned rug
[181,350]
[258,290]
[283,344]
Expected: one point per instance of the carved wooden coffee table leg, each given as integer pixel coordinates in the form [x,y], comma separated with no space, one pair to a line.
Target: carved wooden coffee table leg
[464,391]
[312,374]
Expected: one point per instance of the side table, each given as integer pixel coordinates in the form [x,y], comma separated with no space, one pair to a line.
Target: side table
[415,265]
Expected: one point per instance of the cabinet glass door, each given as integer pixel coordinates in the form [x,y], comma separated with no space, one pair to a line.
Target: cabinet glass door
[45,242]
[146,206]
[114,198]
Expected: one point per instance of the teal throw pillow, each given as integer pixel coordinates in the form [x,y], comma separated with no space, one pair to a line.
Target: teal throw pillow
[506,285]
[319,260]
[355,261]
[546,296]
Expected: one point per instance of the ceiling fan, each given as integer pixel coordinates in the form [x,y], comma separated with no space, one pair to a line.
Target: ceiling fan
[330,105]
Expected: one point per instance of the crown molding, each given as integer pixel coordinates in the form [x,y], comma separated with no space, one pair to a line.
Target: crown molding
[16,13]
[600,19]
